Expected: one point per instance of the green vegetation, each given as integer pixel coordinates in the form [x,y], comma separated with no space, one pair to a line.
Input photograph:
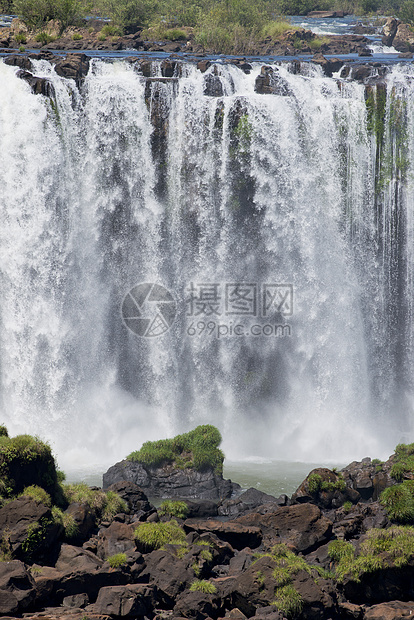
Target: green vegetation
[77,37]
[381,549]
[26,461]
[198,449]
[398,501]
[44,38]
[20,37]
[347,506]
[155,535]
[68,522]
[105,505]
[173,508]
[117,560]
[287,565]
[316,484]
[38,494]
[201,585]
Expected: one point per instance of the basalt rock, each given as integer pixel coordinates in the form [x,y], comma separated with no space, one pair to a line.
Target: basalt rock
[237,535]
[404,38]
[325,497]
[17,588]
[389,30]
[74,66]
[270,82]
[367,478]
[302,526]
[166,481]
[249,500]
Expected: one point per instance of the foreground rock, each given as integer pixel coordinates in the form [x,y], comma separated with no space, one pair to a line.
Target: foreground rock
[167,481]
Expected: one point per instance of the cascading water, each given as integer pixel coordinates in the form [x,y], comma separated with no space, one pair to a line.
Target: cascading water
[281,224]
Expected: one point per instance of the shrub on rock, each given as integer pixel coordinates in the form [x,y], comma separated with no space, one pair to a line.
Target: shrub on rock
[198,449]
[152,536]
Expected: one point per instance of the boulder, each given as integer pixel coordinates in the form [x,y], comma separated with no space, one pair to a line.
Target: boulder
[394,610]
[131,601]
[166,481]
[117,538]
[324,498]
[389,30]
[404,39]
[28,529]
[237,535]
[329,66]
[196,605]
[85,519]
[74,66]
[366,477]
[302,526]
[271,82]
[249,500]
[17,589]
[133,495]
[170,574]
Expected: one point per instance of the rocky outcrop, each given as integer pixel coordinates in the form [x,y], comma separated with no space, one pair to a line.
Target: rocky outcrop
[404,38]
[167,481]
[389,31]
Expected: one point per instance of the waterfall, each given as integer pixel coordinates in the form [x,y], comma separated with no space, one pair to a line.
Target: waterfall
[271,234]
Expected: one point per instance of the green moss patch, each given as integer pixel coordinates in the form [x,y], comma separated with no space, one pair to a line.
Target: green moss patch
[198,449]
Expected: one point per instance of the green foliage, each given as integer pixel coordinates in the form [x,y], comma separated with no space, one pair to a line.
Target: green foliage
[198,449]
[61,476]
[175,34]
[22,49]
[25,461]
[173,508]
[36,13]
[156,535]
[398,501]
[201,585]
[338,549]
[347,506]
[128,14]
[44,38]
[314,483]
[275,29]
[404,453]
[105,505]
[382,548]
[316,44]
[117,560]
[67,521]
[38,494]
[77,37]
[377,462]
[20,37]
[35,535]
[288,601]
[109,30]
[406,12]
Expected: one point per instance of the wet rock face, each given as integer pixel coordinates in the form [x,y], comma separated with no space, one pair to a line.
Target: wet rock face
[166,481]
[389,31]
[404,39]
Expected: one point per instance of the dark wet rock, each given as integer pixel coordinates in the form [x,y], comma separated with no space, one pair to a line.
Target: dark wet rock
[202,509]
[133,495]
[196,605]
[325,498]
[28,530]
[329,66]
[249,500]
[213,86]
[394,610]
[386,584]
[19,61]
[39,86]
[237,535]
[404,39]
[270,82]
[170,574]
[133,600]
[302,526]
[117,538]
[203,65]
[389,31]
[17,590]
[366,477]
[166,481]
[74,66]
[85,520]
[76,600]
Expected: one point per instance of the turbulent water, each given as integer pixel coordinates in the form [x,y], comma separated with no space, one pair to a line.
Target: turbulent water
[282,226]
